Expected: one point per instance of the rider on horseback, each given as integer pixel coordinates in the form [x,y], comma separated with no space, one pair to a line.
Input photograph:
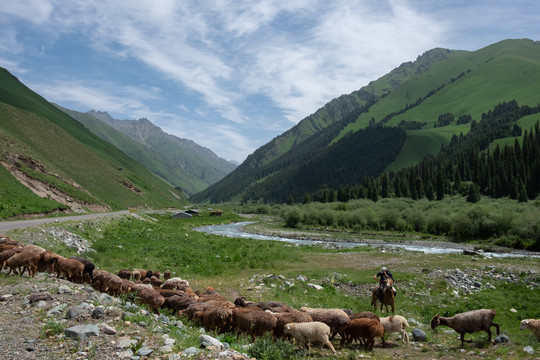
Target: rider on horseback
[384,274]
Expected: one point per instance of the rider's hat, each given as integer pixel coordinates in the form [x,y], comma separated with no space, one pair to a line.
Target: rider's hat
[383,269]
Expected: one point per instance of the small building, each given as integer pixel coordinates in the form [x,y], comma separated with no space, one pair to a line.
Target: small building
[216,212]
[193,212]
[181,215]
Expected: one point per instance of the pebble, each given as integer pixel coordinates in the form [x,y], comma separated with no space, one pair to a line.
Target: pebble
[529,350]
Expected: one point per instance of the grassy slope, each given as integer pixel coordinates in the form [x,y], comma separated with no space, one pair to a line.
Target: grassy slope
[501,72]
[64,146]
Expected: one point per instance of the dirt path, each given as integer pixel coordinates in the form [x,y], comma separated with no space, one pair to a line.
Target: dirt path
[19,224]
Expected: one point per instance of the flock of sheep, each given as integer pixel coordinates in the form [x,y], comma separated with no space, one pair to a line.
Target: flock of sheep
[215,313]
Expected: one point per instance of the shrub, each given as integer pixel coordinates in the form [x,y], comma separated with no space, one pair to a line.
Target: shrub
[416,220]
[293,217]
[438,224]
[265,348]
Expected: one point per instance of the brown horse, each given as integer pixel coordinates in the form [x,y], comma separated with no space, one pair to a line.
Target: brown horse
[388,296]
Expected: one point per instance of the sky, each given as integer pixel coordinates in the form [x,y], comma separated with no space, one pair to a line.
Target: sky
[232,75]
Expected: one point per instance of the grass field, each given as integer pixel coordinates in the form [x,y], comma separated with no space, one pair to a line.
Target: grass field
[244,267]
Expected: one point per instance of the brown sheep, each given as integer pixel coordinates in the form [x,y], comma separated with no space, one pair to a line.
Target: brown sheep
[136,275]
[45,261]
[23,260]
[363,329]
[127,285]
[88,268]
[175,283]
[157,274]
[4,255]
[364,314]
[167,275]
[6,240]
[125,274]
[285,318]
[149,296]
[192,310]
[217,318]
[270,305]
[107,282]
[71,268]
[253,321]
[335,318]
[4,247]
[468,322]
[177,303]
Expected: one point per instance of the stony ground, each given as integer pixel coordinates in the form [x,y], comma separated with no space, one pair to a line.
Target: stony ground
[34,314]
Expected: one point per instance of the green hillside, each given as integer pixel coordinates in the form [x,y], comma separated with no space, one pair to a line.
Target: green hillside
[53,151]
[187,167]
[417,97]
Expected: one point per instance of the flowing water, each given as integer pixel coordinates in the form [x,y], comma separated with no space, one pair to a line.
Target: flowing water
[236,230]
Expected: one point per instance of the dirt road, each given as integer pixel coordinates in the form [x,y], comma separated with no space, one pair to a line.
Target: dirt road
[19,224]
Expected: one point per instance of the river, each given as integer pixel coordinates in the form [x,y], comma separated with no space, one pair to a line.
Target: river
[236,230]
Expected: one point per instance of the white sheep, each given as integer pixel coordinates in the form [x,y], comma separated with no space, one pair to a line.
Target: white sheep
[308,332]
[396,323]
[533,325]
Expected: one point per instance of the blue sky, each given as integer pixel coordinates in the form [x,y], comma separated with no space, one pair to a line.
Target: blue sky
[230,74]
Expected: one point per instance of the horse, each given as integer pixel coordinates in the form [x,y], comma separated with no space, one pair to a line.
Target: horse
[388,296]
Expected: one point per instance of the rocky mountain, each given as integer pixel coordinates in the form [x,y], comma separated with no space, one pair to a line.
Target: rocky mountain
[181,162]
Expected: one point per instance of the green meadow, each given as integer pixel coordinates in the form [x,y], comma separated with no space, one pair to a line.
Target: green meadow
[250,268]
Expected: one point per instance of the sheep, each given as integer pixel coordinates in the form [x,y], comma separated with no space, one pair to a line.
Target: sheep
[175,283]
[307,332]
[125,274]
[335,318]
[5,255]
[167,275]
[107,282]
[88,267]
[6,240]
[253,321]
[365,329]
[192,310]
[71,268]
[216,318]
[396,323]
[4,247]
[45,261]
[26,260]
[270,305]
[149,296]
[468,322]
[364,314]
[533,325]
[284,318]
[177,302]
[136,275]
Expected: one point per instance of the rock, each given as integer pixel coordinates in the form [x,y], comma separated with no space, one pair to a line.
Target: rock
[57,310]
[109,330]
[501,339]
[190,351]
[144,351]
[44,296]
[6,297]
[163,319]
[207,340]
[98,312]
[64,289]
[125,342]
[513,310]
[418,335]
[315,286]
[107,299]
[477,284]
[81,332]
[127,354]
[528,349]
[301,278]
[75,311]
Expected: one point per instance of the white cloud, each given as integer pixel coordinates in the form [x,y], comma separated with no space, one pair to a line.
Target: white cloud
[34,11]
